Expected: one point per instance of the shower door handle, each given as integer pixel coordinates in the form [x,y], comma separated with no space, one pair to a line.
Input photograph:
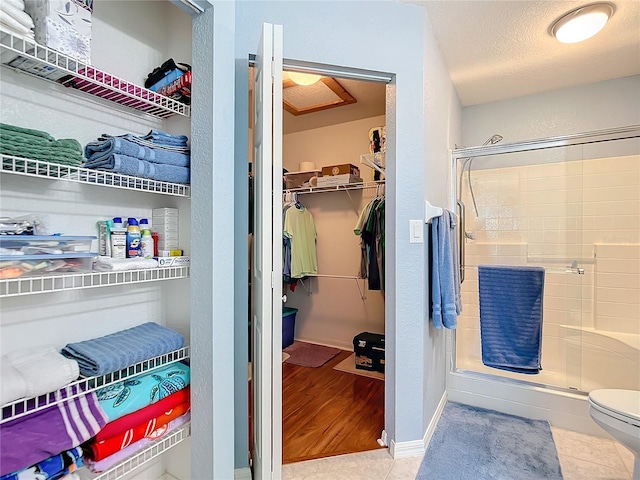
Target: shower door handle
[461,230]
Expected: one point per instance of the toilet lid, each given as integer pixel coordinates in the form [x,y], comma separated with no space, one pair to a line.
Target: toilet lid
[622,402]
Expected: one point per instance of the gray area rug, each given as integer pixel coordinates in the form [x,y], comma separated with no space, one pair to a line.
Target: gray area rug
[473,443]
[309,354]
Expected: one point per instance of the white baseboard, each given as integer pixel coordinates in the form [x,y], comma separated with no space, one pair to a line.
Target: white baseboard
[242,474]
[434,421]
[416,448]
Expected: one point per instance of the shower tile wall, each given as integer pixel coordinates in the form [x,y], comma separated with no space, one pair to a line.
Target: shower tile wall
[553,214]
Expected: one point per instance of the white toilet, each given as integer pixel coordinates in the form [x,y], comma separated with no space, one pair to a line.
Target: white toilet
[618,412]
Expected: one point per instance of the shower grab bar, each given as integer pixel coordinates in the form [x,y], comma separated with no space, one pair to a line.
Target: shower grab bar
[461,247]
[573,261]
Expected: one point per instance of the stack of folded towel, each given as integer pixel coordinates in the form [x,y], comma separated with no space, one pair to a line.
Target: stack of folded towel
[140,409]
[110,264]
[39,145]
[156,156]
[14,19]
[131,413]
[34,372]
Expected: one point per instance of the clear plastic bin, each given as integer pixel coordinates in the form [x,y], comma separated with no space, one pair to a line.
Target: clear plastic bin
[22,255]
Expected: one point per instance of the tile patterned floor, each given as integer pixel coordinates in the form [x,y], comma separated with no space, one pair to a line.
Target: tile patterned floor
[582,457]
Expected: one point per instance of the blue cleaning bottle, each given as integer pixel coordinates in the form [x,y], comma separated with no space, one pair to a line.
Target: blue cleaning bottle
[133,238]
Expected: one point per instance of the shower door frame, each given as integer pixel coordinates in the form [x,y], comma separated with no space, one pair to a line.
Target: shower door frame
[619,133]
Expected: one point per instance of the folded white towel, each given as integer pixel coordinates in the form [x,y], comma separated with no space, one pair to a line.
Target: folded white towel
[12,386]
[9,29]
[19,4]
[18,14]
[13,24]
[43,369]
[120,264]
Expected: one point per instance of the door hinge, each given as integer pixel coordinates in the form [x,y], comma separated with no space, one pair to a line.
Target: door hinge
[273,280]
[273,69]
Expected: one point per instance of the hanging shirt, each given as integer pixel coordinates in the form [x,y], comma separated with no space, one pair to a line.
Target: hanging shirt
[300,228]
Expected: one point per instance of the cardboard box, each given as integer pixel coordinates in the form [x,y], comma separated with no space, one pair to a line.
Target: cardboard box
[296,179]
[62,25]
[334,180]
[345,168]
[173,261]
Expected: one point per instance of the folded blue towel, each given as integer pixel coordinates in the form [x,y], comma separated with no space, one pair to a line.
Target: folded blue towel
[511,317]
[121,349]
[446,304]
[139,168]
[163,138]
[97,151]
[148,143]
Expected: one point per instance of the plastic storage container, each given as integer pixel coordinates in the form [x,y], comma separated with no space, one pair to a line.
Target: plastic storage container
[369,351]
[44,255]
[288,325]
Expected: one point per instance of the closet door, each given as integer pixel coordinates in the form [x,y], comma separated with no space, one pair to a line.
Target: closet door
[267,244]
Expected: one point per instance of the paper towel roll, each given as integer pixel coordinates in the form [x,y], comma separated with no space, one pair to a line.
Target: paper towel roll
[306,166]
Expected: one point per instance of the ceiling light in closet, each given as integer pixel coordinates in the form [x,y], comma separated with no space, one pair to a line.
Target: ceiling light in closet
[581,23]
[304,78]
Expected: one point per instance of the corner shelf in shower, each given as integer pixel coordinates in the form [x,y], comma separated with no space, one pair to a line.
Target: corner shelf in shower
[26,56]
[85,385]
[27,285]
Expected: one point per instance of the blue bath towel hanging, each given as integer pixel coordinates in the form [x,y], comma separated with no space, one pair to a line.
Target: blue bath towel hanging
[511,317]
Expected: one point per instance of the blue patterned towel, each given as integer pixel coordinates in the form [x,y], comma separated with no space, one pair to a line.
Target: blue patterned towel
[121,349]
[511,317]
[137,392]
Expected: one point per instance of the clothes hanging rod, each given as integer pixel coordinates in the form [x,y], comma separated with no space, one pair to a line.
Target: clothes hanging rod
[336,188]
[350,277]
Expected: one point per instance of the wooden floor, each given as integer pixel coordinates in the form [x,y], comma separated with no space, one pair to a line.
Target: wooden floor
[326,412]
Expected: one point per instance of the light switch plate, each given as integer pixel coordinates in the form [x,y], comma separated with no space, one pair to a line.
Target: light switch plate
[416,229]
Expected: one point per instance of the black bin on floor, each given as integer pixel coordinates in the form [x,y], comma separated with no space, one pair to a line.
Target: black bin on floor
[369,351]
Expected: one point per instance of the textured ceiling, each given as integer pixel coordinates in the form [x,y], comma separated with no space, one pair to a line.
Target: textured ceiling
[499,49]
[502,49]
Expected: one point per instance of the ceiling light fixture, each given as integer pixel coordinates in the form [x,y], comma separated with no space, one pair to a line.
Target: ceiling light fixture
[304,78]
[581,23]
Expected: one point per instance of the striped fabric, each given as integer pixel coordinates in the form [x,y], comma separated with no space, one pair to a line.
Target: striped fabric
[121,349]
[511,317]
[31,439]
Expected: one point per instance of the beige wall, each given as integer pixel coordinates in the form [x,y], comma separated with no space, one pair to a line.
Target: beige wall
[551,215]
[331,310]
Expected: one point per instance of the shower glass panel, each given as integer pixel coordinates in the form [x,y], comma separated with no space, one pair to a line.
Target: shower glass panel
[575,211]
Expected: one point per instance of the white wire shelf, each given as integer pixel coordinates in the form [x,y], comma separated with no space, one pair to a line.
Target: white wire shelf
[140,458]
[26,56]
[337,188]
[27,406]
[39,168]
[75,281]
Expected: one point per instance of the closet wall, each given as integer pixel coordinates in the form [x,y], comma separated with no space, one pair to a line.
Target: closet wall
[334,312]
[129,39]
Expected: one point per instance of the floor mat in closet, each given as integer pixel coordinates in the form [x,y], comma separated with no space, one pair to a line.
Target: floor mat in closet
[348,365]
[310,354]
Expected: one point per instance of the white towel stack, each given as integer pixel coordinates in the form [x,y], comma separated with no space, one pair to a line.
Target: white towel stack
[34,372]
[121,264]
[14,19]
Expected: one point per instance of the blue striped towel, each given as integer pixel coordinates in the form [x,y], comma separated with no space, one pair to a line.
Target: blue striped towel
[511,317]
[135,167]
[96,151]
[121,349]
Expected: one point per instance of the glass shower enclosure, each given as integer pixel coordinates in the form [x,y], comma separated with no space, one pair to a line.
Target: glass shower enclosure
[572,206]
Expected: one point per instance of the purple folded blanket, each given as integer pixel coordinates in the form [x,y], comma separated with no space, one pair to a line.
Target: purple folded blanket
[35,437]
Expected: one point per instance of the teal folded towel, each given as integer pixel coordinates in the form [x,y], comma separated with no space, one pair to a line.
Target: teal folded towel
[143,390]
[26,132]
